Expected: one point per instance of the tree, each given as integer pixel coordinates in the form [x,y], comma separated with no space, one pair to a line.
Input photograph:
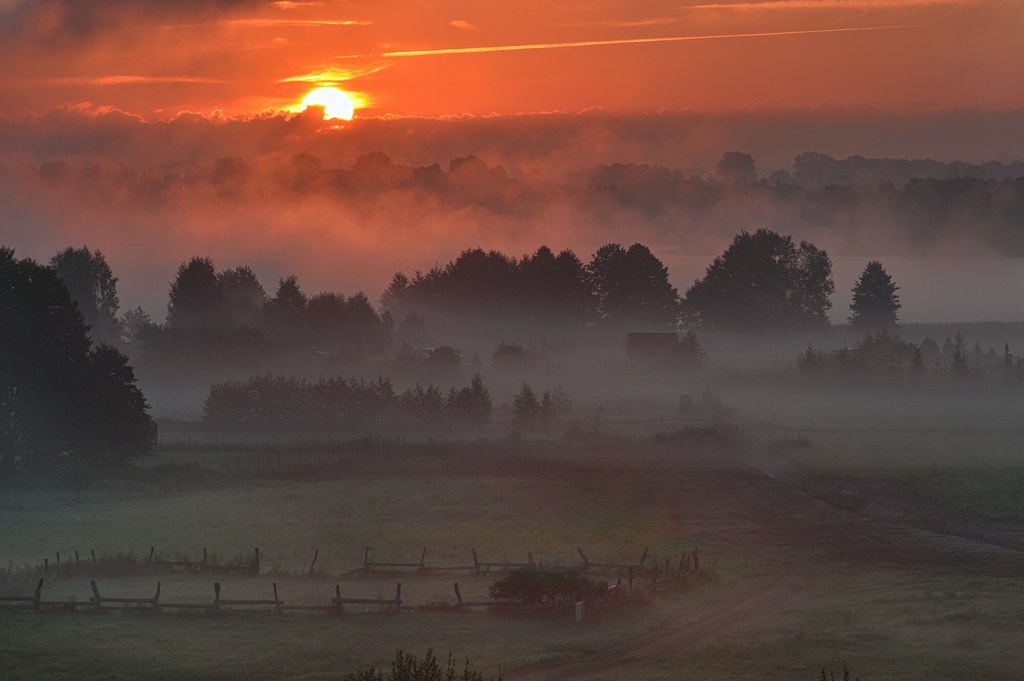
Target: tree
[958,355]
[875,303]
[631,288]
[471,403]
[43,354]
[763,280]
[242,296]
[736,168]
[554,288]
[59,398]
[526,407]
[195,297]
[133,323]
[555,406]
[93,286]
[120,428]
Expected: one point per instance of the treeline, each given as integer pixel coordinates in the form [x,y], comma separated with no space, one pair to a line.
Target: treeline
[288,402]
[620,287]
[885,354]
[282,402]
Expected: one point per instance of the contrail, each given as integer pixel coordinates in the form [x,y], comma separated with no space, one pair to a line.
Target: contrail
[621,41]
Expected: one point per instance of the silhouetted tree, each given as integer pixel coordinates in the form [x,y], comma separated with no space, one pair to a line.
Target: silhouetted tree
[690,353]
[875,303]
[471,403]
[555,288]
[93,286]
[57,397]
[526,407]
[242,296]
[133,323]
[736,168]
[631,288]
[120,428]
[44,350]
[958,355]
[555,406]
[412,331]
[763,280]
[195,297]
[284,315]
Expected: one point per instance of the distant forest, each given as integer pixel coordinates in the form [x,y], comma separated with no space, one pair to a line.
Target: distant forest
[918,206]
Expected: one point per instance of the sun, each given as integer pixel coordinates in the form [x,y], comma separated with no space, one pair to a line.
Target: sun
[336,103]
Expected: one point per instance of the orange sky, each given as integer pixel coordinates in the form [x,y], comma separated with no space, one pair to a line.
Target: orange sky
[158,59]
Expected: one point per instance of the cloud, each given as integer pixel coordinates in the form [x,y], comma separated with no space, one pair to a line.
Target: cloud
[627,41]
[331,75]
[768,5]
[128,80]
[31,22]
[463,25]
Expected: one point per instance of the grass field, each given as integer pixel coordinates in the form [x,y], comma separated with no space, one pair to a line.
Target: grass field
[800,585]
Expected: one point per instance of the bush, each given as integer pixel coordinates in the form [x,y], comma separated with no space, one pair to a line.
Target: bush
[410,668]
[545,586]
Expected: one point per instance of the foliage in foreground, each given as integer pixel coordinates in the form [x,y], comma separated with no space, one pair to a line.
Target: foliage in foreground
[830,675]
[408,667]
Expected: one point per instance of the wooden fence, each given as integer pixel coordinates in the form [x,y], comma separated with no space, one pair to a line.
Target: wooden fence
[124,563]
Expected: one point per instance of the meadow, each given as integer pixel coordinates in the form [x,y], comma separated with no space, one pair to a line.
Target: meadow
[794,581]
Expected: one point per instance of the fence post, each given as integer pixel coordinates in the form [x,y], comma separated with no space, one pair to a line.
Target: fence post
[277,603]
[58,560]
[256,563]
[337,597]
[366,560]
[37,597]
[93,552]
[586,563]
[643,557]
[216,594]
[398,596]
[156,598]
[95,593]
[316,554]
[204,558]
[696,559]
[76,557]
[150,559]
[423,557]
[458,594]
[476,563]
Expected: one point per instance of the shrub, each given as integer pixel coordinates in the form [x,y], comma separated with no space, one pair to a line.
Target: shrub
[407,667]
[539,586]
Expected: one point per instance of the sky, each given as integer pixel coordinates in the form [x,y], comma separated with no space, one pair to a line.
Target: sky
[156,131]
[158,59]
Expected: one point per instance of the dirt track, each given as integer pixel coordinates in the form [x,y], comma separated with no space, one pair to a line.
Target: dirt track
[758,597]
[804,531]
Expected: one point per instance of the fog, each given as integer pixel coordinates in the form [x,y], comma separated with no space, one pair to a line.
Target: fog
[346,208]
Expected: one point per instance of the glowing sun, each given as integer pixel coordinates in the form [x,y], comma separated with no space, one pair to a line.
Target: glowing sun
[336,103]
